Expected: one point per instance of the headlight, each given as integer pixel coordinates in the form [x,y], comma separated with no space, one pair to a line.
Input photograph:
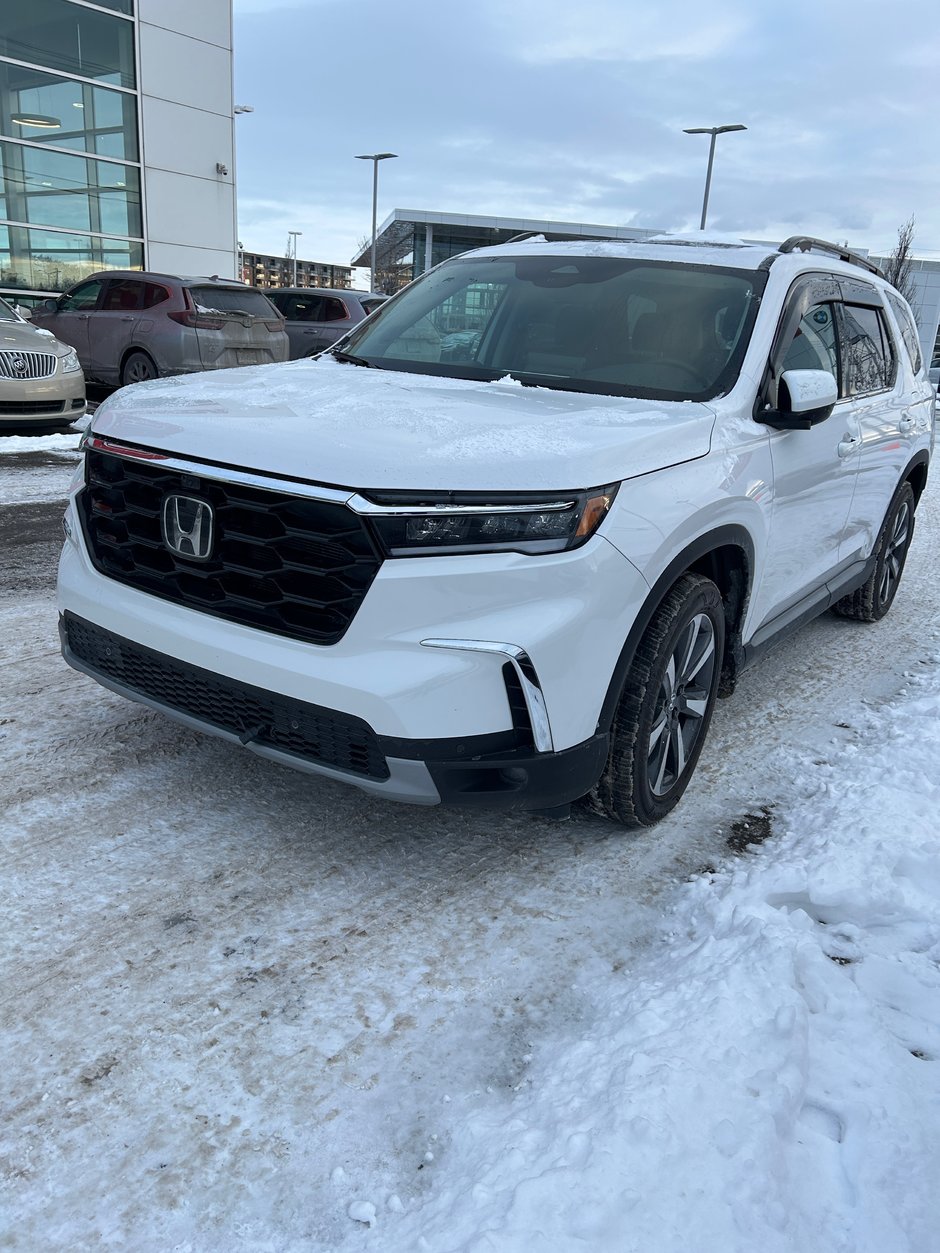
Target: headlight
[70,362]
[412,526]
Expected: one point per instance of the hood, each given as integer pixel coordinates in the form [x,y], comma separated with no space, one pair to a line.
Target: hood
[23,337]
[350,426]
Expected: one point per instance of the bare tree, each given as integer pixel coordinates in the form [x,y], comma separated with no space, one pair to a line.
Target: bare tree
[898,267]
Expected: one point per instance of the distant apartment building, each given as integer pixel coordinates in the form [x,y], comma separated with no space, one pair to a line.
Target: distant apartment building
[262,269]
[116,140]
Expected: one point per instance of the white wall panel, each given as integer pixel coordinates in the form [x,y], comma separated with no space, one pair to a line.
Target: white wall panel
[197,212]
[186,71]
[184,260]
[210,20]
[187,141]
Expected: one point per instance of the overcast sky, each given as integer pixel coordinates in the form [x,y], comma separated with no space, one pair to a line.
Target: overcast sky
[575,111]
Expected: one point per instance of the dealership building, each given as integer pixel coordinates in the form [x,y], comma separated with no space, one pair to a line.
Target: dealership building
[116,140]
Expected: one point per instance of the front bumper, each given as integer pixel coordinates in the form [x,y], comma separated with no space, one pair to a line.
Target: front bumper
[469,772]
[480,678]
[42,402]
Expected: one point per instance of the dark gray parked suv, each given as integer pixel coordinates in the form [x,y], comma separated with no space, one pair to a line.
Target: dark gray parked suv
[127,326]
[318,316]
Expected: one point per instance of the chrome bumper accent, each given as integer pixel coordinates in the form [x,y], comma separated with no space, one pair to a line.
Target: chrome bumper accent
[528,679]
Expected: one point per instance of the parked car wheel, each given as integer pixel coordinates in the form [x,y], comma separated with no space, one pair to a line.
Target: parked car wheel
[662,719]
[873,599]
[138,368]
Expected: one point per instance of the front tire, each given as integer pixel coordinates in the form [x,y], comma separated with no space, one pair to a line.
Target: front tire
[662,719]
[875,597]
[138,368]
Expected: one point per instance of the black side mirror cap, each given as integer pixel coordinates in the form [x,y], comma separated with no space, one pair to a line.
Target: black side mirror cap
[781,420]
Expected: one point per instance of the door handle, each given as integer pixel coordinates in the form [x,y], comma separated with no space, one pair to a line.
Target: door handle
[127,319]
[906,424]
[847,445]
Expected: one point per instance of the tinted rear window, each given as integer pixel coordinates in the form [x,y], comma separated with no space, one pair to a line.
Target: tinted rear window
[233,300]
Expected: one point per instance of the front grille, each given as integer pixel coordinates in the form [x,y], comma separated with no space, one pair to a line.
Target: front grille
[25,408]
[280,562]
[26,365]
[307,731]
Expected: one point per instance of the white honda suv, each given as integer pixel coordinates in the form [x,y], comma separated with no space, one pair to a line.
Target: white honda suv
[505,543]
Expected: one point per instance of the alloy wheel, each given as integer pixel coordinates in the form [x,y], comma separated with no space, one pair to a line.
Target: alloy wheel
[681,704]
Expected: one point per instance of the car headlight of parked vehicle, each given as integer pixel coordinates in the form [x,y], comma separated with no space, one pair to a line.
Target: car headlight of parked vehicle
[70,362]
[419,527]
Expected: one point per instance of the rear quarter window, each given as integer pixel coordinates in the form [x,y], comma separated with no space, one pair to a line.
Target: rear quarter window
[908,329]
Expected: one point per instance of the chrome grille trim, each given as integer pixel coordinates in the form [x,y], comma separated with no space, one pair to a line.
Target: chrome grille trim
[39,365]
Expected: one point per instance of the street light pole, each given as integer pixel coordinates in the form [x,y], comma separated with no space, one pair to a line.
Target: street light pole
[293,235]
[714,131]
[237,110]
[375,158]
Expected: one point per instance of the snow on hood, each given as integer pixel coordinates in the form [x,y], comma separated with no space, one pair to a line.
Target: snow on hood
[355,427]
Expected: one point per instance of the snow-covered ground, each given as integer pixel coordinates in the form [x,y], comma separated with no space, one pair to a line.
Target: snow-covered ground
[243,1009]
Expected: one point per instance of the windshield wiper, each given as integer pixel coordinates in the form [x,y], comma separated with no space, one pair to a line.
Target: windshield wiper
[347,358]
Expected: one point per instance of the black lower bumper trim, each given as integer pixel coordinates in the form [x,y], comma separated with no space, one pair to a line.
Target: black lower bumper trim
[476,772]
[522,780]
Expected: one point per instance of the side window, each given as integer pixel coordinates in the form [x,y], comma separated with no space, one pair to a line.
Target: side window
[908,329]
[122,293]
[335,309]
[83,297]
[154,294]
[813,347]
[867,352]
[303,308]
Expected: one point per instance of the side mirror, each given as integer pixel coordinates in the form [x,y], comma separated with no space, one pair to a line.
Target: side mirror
[50,306]
[812,395]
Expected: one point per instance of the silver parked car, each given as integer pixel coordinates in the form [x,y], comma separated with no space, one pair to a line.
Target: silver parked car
[41,380]
[318,316]
[128,326]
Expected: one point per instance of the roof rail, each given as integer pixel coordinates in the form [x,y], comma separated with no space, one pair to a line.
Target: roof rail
[806,243]
[559,237]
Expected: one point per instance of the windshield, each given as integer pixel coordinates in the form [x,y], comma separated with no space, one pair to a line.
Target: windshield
[6,313]
[613,325]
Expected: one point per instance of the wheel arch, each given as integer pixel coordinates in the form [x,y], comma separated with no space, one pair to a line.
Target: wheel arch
[130,351]
[726,556]
[916,474]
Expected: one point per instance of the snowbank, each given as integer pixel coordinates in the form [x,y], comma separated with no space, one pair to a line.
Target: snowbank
[768,1077]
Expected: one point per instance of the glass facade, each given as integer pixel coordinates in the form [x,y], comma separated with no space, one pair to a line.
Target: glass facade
[70,180]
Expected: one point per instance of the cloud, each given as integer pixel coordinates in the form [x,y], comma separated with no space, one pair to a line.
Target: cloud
[609,30]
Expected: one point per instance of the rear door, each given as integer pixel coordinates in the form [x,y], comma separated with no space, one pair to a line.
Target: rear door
[237,326]
[302,311]
[892,409]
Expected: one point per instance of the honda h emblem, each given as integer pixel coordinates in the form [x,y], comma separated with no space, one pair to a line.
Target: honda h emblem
[187,527]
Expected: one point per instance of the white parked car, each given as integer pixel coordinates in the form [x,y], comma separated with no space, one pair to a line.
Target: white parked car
[520,573]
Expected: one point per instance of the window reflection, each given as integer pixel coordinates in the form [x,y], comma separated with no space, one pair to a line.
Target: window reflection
[87,118]
[868,358]
[54,189]
[44,260]
[67,37]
